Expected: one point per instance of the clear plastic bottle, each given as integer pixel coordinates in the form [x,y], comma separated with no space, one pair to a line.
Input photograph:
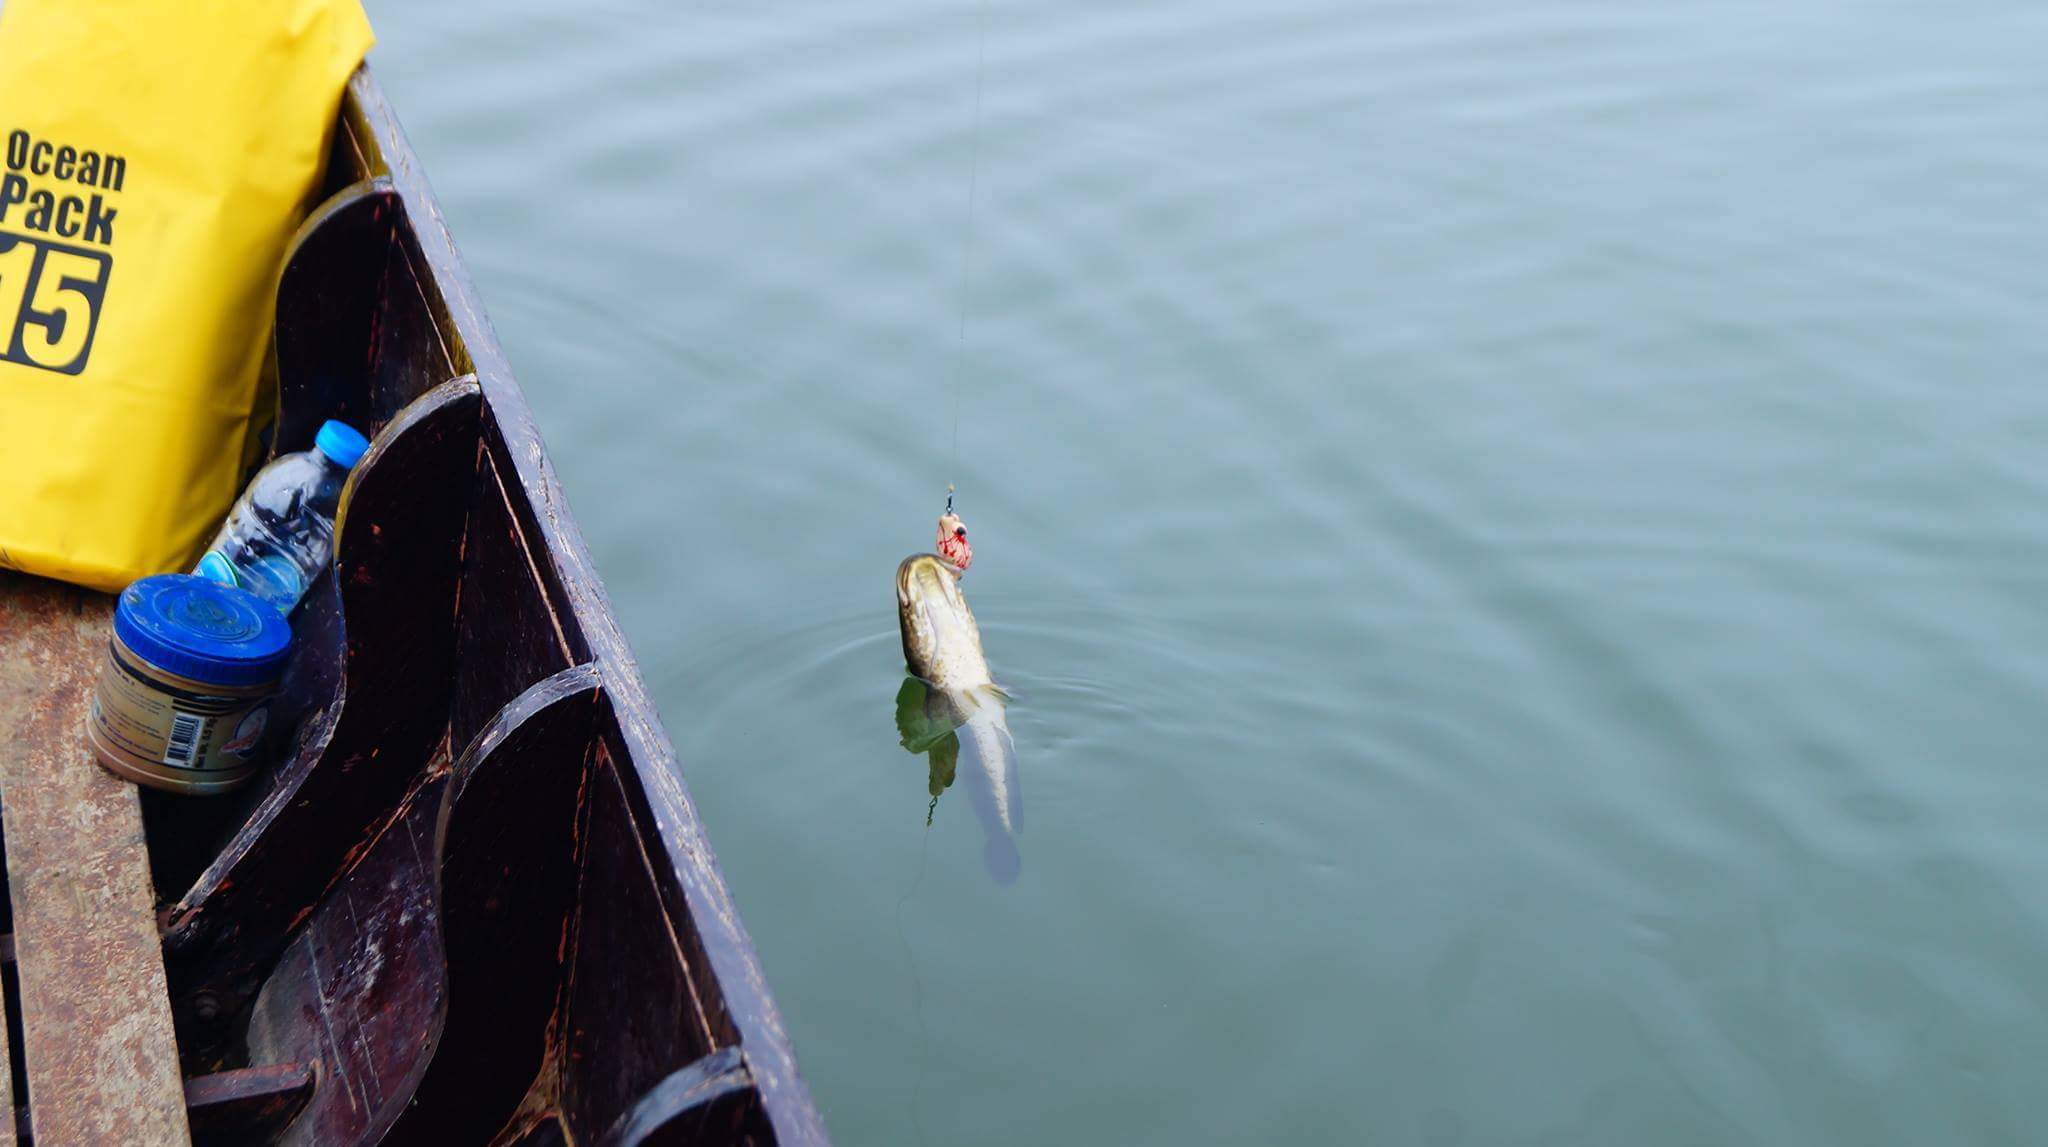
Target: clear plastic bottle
[280,534]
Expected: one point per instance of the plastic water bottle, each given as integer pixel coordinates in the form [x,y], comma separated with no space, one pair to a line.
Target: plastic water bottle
[280,534]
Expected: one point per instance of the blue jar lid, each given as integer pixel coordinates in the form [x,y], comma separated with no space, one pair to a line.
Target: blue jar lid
[203,630]
[341,442]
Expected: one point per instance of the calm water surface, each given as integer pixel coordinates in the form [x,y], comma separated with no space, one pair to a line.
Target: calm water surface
[1517,532]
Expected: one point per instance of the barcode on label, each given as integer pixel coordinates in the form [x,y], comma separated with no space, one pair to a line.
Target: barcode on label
[184,739]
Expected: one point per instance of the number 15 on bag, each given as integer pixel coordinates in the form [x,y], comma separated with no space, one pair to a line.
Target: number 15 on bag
[49,302]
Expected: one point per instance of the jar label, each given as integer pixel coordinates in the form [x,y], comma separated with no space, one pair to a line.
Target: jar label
[155,723]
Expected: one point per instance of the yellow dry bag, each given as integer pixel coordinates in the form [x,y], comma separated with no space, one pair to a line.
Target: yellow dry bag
[154,160]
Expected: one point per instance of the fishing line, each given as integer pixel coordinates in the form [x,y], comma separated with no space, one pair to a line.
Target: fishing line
[924,1039]
[967,243]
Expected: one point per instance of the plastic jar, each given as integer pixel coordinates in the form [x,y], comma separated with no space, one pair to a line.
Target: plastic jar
[184,695]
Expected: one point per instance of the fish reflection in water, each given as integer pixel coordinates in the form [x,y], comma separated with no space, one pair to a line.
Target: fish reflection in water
[931,722]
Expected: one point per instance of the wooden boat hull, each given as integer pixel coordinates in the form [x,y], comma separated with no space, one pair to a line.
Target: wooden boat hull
[473,902]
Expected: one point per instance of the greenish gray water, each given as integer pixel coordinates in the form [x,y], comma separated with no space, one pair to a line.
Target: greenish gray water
[1516,530]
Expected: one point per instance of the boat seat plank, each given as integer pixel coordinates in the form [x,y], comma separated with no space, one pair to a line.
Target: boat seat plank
[97,1040]
[7,1109]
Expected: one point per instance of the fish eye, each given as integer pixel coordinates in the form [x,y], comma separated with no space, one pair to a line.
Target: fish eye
[959,531]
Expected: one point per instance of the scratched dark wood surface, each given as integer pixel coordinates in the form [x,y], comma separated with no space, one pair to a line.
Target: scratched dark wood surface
[510,632]
[97,1039]
[508,854]
[362,988]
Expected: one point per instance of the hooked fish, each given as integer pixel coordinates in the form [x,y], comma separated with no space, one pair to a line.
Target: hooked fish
[942,645]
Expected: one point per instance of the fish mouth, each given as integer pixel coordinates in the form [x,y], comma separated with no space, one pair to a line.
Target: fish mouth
[925,574]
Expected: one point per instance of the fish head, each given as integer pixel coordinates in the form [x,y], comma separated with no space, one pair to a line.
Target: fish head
[941,642]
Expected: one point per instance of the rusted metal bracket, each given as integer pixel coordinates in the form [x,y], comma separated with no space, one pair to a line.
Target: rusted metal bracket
[247,1105]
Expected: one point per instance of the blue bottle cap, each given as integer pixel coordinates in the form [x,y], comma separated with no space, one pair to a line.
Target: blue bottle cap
[340,442]
[203,630]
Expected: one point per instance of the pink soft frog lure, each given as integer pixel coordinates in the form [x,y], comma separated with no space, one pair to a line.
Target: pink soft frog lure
[952,542]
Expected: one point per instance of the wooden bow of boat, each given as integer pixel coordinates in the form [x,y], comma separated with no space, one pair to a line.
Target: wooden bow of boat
[473,903]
